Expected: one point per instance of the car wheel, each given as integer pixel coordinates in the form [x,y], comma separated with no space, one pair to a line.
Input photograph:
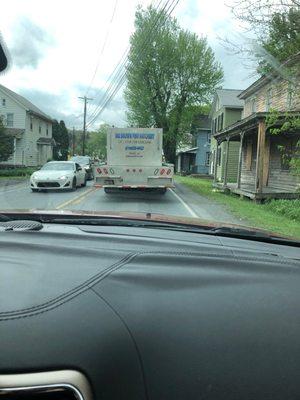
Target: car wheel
[34,190]
[74,184]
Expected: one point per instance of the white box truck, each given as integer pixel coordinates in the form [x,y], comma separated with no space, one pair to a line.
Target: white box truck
[134,161]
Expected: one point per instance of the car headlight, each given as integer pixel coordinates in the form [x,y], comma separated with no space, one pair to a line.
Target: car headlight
[33,177]
[64,177]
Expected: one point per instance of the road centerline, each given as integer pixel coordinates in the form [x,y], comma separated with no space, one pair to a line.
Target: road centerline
[75,199]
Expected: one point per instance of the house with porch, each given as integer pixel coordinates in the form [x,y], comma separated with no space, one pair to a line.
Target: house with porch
[30,128]
[226,109]
[264,168]
[195,157]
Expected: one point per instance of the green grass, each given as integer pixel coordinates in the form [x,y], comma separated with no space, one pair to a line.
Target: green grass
[279,216]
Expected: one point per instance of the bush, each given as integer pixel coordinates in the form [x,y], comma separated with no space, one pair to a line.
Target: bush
[17,172]
[289,208]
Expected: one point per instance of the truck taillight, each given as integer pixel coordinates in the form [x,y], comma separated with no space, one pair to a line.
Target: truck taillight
[105,170]
[156,171]
[111,170]
[162,171]
[140,170]
[99,171]
[168,171]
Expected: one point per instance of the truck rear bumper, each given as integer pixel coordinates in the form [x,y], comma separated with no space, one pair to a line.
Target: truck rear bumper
[139,187]
[150,182]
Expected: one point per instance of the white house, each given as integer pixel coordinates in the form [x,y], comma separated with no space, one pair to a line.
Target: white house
[30,128]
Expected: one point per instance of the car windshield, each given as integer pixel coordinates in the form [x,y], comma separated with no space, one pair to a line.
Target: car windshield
[174,109]
[60,166]
[81,159]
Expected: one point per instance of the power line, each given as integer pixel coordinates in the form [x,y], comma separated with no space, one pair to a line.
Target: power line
[121,76]
[119,69]
[121,72]
[103,47]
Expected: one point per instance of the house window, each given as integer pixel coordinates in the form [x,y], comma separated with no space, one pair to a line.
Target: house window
[215,123]
[287,152]
[47,131]
[40,129]
[10,119]
[219,156]
[3,102]
[208,137]
[31,125]
[253,105]
[207,158]
[269,99]
[221,121]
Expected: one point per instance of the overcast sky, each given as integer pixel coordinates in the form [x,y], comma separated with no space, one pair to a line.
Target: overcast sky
[56,45]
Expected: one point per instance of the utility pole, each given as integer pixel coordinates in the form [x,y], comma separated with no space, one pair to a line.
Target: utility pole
[85,99]
[73,140]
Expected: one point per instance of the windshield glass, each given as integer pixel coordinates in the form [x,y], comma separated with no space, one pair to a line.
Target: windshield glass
[178,109]
[81,159]
[61,166]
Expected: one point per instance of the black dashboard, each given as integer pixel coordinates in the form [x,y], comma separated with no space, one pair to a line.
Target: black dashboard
[151,314]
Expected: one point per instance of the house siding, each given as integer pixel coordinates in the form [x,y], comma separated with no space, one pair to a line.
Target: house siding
[203,148]
[12,107]
[278,99]
[231,115]
[278,178]
[27,152]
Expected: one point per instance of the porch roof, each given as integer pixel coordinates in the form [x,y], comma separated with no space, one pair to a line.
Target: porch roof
[247,125]
[15,132]
[193,150]
[44,140]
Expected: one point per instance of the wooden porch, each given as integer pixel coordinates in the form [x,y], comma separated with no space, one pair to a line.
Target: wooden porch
[261,173]
[249,191]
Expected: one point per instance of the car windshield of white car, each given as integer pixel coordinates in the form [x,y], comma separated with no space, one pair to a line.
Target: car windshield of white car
[81,160]
[58,167]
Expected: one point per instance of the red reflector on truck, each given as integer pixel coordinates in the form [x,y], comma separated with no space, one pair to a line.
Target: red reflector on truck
[99,171]
[162,171]
[105,170]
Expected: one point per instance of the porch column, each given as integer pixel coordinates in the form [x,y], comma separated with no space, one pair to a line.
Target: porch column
[239,174]
[15,149]
[216,163]
[226,162]
[261,144]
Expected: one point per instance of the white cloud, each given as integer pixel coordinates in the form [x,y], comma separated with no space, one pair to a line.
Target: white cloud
[68,37]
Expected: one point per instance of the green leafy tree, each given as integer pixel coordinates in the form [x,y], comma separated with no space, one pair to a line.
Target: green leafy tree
[61,137]
[167,76]
[96,143]
[281,40]
[6,144]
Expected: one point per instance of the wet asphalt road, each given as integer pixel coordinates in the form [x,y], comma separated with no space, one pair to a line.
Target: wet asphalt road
[176,202]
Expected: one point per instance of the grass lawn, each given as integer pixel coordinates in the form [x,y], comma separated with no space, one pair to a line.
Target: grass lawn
[281,216]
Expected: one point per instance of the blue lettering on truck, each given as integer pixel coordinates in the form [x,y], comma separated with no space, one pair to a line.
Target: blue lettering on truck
[134,148]
[149,136]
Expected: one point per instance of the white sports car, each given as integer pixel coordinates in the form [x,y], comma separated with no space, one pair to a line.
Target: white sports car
[58,175]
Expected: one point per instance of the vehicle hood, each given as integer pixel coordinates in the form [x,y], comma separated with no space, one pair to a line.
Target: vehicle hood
[197,222]
[51,174]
